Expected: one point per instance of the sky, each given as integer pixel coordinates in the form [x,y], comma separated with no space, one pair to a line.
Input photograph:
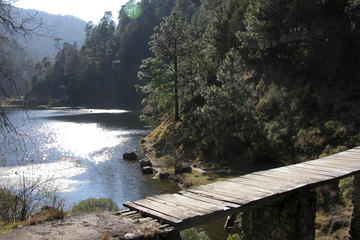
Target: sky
[88,10]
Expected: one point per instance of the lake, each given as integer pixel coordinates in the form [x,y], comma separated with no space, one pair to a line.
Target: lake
[78,152]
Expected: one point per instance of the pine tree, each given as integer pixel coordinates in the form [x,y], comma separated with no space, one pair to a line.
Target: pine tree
[173,47]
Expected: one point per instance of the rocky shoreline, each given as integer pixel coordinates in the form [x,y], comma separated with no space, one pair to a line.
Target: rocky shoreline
[164,167]
[124,225]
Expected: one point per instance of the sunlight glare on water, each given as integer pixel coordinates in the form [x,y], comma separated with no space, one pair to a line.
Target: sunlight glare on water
[98,111]
[56,175]
[81,140]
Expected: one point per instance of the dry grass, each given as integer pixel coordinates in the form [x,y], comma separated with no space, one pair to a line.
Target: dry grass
[105,236]
[332,217]
[151,231]
[195,178]
[161,136]
[48,215]
[5,226]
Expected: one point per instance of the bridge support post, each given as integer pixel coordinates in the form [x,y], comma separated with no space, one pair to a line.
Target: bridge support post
[291,218]
[173,235]
[355,219]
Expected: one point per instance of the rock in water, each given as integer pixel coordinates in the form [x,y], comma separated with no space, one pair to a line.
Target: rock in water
[145,163]
[147,170]
[164,175]
[130,156]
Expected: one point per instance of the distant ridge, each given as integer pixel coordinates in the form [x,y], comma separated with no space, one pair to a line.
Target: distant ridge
[66,27]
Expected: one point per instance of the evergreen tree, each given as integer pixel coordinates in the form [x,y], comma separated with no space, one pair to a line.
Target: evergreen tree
[172,45]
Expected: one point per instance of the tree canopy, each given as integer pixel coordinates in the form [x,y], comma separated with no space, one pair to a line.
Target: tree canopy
[243,82]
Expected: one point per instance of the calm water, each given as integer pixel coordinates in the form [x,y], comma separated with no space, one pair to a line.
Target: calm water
[78,152]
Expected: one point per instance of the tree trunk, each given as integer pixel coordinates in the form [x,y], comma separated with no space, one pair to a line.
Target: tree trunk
[176,92]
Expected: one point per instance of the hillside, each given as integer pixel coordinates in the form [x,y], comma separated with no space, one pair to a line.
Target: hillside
[67,28]
[104,70]
[19,54]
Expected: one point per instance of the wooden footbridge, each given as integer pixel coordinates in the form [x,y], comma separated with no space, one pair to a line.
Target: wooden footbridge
[271,191]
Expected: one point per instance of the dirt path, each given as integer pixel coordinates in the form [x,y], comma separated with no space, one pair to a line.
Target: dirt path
[83,227]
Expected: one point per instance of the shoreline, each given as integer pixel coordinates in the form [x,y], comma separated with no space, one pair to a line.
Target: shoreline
[56,103]
[163,165]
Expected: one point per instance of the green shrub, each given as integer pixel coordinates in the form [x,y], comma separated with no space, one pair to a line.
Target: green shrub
[329,150]
[95,205]
[9,209]
[193,234]
[346,188]
[26,202]
[6,226]
[234,237]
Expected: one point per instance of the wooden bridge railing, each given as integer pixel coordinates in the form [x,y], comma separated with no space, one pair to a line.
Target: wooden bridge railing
[278,203]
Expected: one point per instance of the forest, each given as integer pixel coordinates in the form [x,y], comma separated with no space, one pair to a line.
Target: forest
[20,50]
[104,69]
[239,83]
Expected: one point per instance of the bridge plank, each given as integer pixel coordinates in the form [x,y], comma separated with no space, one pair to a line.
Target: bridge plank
[266,181]
[245,197]
[152,213]
[280,178]
[354,150]
[339,166]
[222,204]
[183,207]
[261,180]
[177,212]
[350,151]
[193,206]
[352,156]
[343,158]
[345,162]
[331,166]
[250,186]
[238,189]
[299,180]
[304,178]
[302,169]
[197,202]
[235,186]
[219,196]
[275,177]
[307,174]
[324,169]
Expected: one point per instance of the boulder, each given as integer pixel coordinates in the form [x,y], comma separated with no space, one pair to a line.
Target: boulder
[181,168]
[164,175]
[130,156]
[129,236]
[159,154]
[145,163]
[147,170]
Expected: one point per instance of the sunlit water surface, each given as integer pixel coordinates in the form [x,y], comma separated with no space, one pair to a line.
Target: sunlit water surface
[77,152]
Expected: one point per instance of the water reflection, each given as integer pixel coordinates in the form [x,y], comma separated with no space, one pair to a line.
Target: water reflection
[81,139]
[80,150]
[57,174]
